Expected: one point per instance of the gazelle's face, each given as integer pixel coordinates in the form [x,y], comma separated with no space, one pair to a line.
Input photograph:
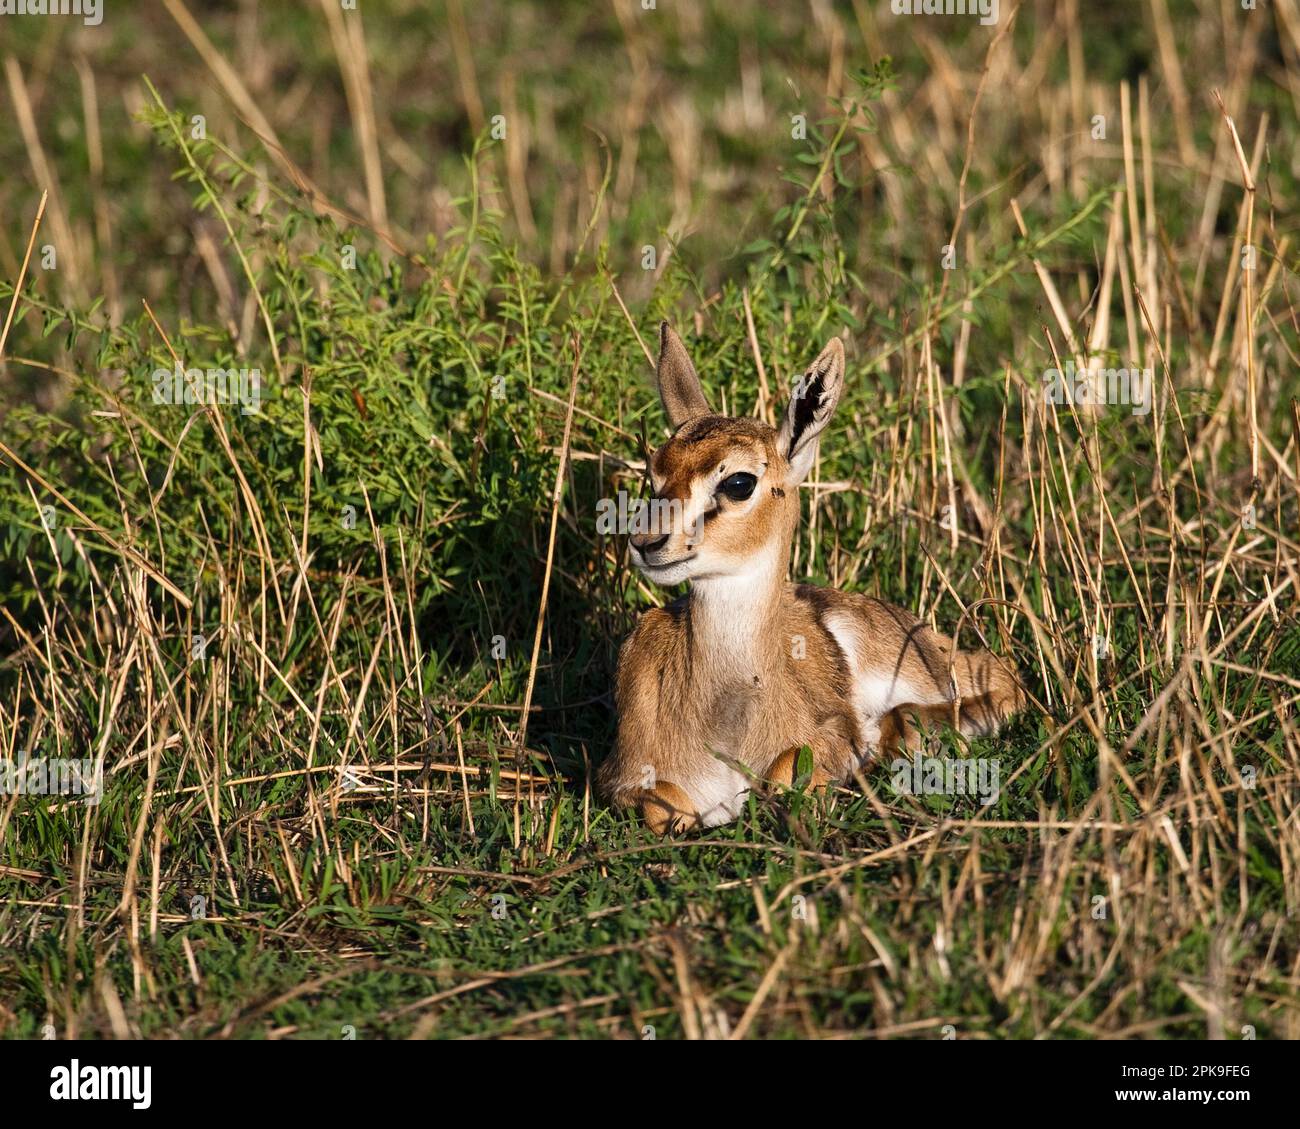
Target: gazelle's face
[721,504]
[726,489]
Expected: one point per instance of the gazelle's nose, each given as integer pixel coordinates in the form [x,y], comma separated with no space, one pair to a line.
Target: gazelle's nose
[645,543]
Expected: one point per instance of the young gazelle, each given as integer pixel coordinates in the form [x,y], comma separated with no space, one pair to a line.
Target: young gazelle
[726,685]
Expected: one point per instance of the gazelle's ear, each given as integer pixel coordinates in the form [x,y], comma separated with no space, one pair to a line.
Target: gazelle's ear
[811,407]
[679,386]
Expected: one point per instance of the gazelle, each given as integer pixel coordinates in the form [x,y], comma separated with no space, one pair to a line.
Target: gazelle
[727,684]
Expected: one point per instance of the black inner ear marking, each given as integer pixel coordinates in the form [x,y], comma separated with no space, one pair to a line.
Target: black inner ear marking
[805,410]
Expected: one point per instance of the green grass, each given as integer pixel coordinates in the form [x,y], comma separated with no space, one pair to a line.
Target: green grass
[460,882]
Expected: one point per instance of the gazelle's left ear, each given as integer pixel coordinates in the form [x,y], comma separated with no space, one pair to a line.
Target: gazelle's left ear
[811,408]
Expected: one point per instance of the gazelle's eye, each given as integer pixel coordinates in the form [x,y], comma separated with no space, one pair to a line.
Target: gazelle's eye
[738,486]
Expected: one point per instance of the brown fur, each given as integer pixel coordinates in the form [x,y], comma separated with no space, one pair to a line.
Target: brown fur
[726,684]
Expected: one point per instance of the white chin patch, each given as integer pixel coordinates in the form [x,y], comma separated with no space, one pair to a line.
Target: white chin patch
[669,576]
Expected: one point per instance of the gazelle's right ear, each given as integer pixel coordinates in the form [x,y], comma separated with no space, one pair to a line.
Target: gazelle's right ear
[811,408]
[679,386]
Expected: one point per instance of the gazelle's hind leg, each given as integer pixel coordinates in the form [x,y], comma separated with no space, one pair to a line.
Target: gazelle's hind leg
[983,716]
[903,729]
[894,692]
[989,691]
[899,732]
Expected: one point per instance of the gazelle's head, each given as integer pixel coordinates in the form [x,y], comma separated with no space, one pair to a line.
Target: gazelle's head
[726,498]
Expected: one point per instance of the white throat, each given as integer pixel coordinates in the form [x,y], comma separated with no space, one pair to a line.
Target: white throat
[733,618]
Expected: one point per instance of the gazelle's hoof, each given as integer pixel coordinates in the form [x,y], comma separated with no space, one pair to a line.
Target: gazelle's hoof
[666,809]
[784,768]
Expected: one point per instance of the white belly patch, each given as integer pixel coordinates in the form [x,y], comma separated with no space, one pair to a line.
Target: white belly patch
[872,693]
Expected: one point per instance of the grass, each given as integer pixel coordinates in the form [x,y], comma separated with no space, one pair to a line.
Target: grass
[302,642]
